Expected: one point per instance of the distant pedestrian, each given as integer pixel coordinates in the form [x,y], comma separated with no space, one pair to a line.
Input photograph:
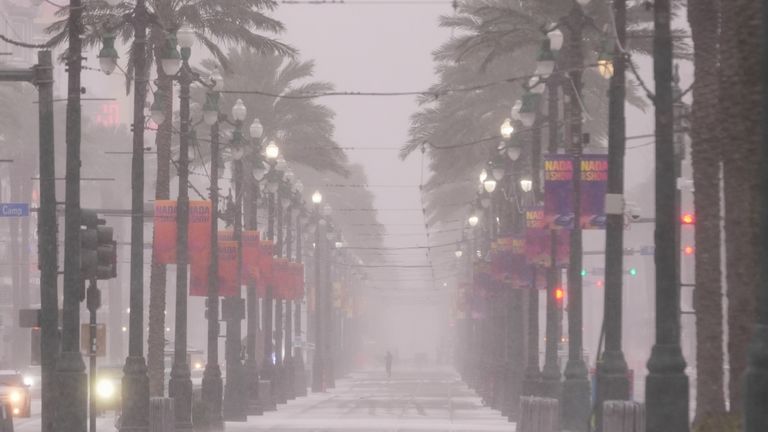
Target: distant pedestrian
[388,361]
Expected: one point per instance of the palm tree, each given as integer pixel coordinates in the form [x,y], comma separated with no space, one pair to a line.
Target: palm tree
[739,118]
[302,127]
[706,156]
[231,22]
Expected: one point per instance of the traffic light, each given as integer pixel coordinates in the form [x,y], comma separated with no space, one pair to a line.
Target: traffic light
[688,219]
[559,297]
[689,250]
[632,271]
[89,243]
[107,254]
[584,272]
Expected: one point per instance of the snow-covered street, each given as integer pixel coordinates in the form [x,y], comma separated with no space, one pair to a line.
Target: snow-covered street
[413,400]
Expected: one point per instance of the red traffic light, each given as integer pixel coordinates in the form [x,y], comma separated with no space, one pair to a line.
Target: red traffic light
[689,250]
[559,294]
[688,219]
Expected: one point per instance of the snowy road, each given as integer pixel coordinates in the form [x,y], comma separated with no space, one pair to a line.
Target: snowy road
[410,401]
[414,400]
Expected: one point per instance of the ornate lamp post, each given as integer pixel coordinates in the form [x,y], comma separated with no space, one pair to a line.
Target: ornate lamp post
[176,65]
[272,152]
[318,360]
[300,375]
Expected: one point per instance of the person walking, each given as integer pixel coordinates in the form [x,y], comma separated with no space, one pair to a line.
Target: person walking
[388,362]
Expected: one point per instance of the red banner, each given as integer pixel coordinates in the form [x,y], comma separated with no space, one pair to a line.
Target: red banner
[266,261]
[198,280]
[251,252]
[164,236]
[198,232]
[228,280]
[280,279]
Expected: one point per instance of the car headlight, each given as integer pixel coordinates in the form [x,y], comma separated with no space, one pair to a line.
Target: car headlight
[105,388]
[14,397]
[198,366]
[29,381]
[16,411]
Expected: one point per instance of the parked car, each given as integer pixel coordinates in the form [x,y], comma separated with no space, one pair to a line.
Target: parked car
[14,392]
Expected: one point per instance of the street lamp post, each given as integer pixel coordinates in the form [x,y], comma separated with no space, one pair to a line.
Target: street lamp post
[212,386]
[280,244]
[300,376]
[329,372]
[318,361]
[268,367]
[612,379]
[235,390]
[551,379]
[252,304]
[180,384]
[288,358]
[666,385]
[576,389]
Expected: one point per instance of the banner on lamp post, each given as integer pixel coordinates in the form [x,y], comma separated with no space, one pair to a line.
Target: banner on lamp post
[594,185]
[164,233]
[251,252]
[166,229]
[199,233]
[558,192]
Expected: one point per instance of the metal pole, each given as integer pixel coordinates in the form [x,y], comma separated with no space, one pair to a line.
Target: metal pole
[93,303]
[47,239]
[317,357]
[135,385]
[756,376]
[252,323]
[180,384]
[612,373]
[666,384]
[72,384]
[279,369]
[267,369]
[288,374]
[235,397]
[328,350]
[550,374]
[532,372]
[576,387]
[212,385]
[300,375]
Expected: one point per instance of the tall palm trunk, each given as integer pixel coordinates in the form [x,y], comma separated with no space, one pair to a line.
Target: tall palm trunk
[157,278]
[704,16]
[740,117]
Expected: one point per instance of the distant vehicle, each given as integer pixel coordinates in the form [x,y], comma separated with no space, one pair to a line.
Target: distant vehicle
[33,378]
[15,393]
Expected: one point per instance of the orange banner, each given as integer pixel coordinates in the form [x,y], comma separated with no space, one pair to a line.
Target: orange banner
[164,236]
[228,280]
[280,279]
[251,252]
[198,280]
[199,230]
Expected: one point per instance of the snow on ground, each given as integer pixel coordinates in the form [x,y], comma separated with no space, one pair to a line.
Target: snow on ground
[413,400]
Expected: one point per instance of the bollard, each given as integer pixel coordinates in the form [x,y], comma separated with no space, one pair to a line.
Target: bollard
[6,418]
[161,418]
[267,396]
[623,416]
[539,414]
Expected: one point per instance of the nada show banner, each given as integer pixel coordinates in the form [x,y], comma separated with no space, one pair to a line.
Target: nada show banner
[537,235]
[594,184]
[164,235]
[228,287]
[199,239]
[558,192]
[198,232]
